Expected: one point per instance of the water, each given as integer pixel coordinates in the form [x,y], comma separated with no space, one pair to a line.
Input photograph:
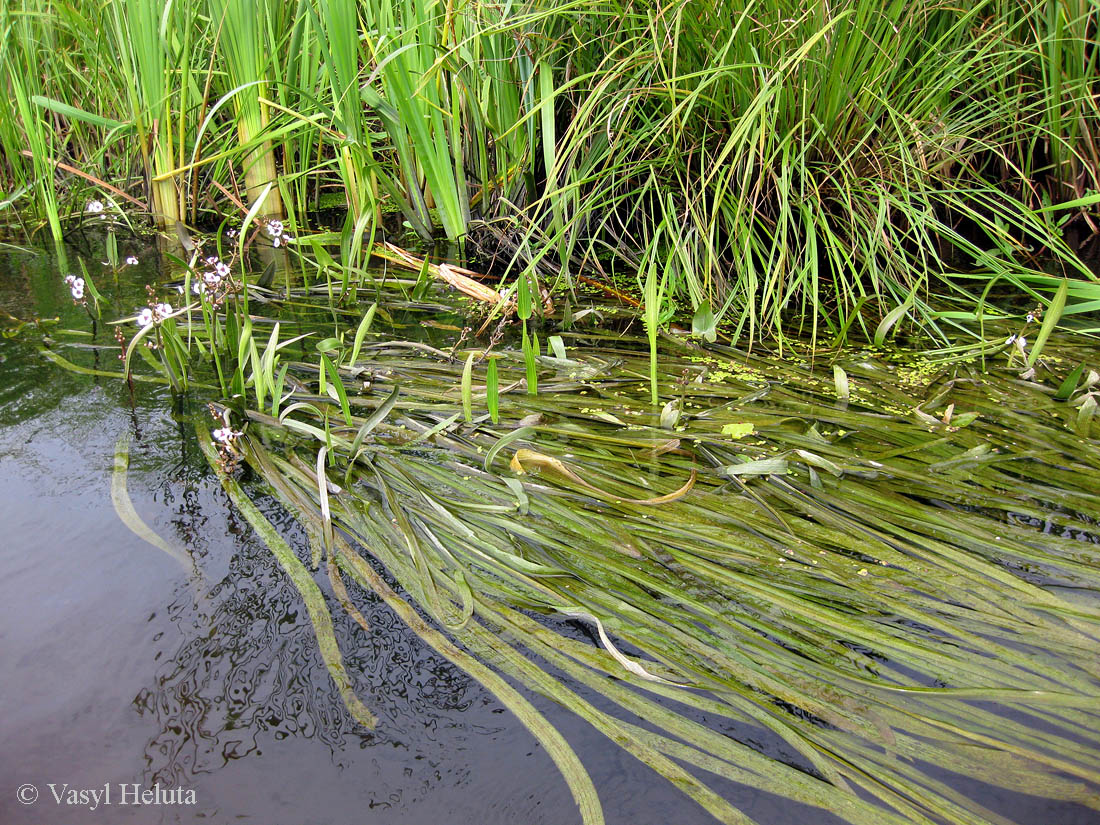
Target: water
[124,669]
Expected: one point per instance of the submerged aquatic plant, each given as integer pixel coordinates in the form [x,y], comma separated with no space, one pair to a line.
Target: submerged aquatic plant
[797,585]
[844,589]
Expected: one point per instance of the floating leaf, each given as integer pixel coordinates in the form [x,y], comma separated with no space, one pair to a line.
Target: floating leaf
[1069,385]
[557,346]
[1085,415]
[738,429]
[670,415]
[840,379]
[492,390]
[467,388]
[525,458]
[895,315]
[361,333]
[1050,320]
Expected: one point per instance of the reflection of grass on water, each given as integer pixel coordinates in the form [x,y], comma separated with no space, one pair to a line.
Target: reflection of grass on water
[854,578]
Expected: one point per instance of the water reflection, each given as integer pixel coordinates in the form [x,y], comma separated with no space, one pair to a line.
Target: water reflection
[122,669]
[248,673]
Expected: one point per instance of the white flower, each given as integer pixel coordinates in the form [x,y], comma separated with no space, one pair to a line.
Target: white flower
[145,318]
[132,261]
[163,310]
[212,260]
[1010,339]
[1030,317]
[231,233]
[212,279]
[277,242]
[275,228]
[94,206]
[70,279]
[196,287]
[225,435]
[222,269]
[77,288]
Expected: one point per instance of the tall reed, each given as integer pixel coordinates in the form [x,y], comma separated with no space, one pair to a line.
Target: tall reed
[811,166]
[246,42]
[146,44]
[27,129]
[338,29]
[818,162]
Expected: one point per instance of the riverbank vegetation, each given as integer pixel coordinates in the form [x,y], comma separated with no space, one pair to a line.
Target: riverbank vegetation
[767,166]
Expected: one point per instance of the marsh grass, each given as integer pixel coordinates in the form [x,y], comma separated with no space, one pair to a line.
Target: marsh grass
[144,42]
[244,44]
[787,169]
[24,129]
[815,163]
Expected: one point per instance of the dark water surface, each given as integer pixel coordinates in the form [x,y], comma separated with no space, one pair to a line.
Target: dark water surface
[122,668]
